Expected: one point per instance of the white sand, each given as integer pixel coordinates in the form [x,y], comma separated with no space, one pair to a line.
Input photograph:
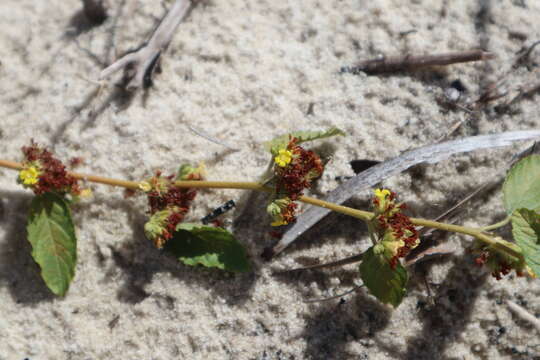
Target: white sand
[247,71]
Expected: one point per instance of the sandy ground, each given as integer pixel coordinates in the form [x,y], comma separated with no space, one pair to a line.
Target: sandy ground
[246,71]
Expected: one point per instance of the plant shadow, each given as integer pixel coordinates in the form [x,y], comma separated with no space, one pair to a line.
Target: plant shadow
[328,332]
[119,97]
[351,231]
[334,324]
[139,261]
[444,321]
[79,24]
[19,273]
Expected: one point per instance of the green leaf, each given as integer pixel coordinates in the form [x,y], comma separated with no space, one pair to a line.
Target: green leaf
[386,284]
[209,246]
[281,142]
[522,185]
[54,245]
[526,231]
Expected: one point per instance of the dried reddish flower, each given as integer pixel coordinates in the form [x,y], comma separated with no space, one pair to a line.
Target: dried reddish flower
[499,264]
[50,174]
[168,204]
[295,170]
[304,167]
[396,232]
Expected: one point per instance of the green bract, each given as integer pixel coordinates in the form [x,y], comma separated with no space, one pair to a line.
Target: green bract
[281,142]
[156,224]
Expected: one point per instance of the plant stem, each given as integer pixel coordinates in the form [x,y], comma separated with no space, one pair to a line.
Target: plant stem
[497,225]
[10,165]
[360,214]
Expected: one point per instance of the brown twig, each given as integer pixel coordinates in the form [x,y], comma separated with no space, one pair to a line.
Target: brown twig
[430,252]
[504,87]
[139,65]
[524,54]
[527,90]
[413,62]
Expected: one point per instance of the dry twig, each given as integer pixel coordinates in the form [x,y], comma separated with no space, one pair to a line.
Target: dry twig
[523,314]
[345,261]
[139,65]
[430,252]
[211,138]
[355,288]
[412,62]
[505,87]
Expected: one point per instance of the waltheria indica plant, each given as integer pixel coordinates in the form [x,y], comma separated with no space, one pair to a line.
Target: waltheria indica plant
[293,169]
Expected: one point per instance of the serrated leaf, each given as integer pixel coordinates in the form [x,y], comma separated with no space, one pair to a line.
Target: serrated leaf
[526,231]
[522,185]
[386,284]
[281,142]
[54,244]
[209,246]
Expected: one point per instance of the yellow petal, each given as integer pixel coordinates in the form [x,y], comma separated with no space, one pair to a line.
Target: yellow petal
[145,186]
[278,223]
[29,176]
[283,158]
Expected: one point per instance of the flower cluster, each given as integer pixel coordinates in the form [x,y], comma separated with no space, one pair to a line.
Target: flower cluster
[282,211]
[43,173]
[500,264]
[295,169]
[168,204]
[395,232]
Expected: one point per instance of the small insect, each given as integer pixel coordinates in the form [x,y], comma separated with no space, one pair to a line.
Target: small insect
[218,211]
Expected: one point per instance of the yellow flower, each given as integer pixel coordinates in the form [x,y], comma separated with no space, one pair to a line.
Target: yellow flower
[85,193]
[279,223]
[29,176]
[382,194]
[283,158]
[145,186]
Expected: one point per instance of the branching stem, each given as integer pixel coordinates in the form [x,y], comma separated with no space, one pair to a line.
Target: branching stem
[360,214]
[497,225]
[145,58]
